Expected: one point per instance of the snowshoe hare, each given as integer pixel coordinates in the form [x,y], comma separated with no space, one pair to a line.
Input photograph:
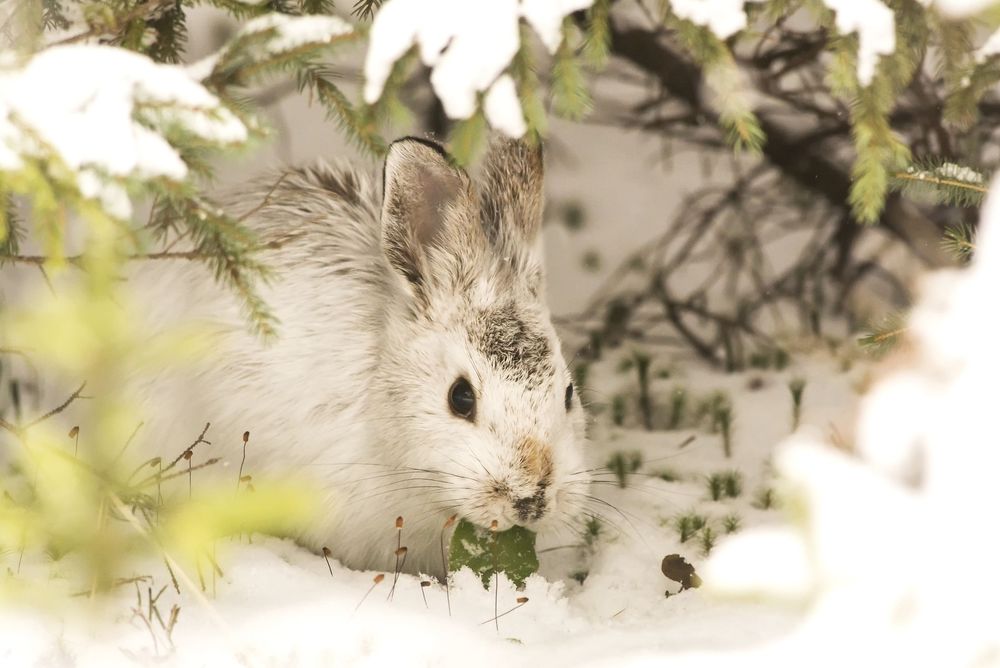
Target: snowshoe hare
[416,371]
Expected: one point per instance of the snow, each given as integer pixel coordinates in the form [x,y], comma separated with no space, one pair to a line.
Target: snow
[958,8]
[503,108]
[546,17]
[876,28]
[872,20]
[990,47]
[103,111]
[904,563]
[468,45]
[725,18]
[949,170]
[293,32]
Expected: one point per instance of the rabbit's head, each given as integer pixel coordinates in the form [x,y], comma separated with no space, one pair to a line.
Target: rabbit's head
[473,384]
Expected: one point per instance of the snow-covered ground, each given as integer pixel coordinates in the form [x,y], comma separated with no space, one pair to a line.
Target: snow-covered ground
[278,603]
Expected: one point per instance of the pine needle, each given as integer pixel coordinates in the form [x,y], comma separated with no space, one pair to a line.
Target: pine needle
[885,336]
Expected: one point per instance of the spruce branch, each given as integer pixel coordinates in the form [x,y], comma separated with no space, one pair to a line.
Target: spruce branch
[597,41]
[115,25]
[960,241]
[523,70]
[569,87]
[11,231]
[359,125]
[317,6]
[53,15]
[468,138]
[884,336]
[365,9]
[256,53]
[724,80]
[227,247]
[940,182]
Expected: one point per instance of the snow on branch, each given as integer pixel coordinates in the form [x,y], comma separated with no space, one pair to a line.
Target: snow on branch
[872,20]
[876,28]
[267,42]
[725,18]
[108,115]
[294,32]
[468,45]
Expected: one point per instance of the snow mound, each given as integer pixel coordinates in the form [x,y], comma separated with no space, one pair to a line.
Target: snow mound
[896,539]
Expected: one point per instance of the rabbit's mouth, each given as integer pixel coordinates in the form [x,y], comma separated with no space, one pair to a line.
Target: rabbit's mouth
[509,506]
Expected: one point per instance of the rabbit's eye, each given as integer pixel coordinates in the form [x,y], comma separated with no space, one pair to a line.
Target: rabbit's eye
[569,396]
[462,399]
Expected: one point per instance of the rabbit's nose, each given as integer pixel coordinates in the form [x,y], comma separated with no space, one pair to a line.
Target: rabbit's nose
[530,508]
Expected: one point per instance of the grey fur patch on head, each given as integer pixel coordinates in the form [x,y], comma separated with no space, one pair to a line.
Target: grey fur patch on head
[517,349]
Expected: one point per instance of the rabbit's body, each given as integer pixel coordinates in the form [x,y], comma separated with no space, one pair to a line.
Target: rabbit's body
[383,308]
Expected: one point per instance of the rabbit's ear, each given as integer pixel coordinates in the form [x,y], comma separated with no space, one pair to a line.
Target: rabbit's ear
[511,202]
[423,196]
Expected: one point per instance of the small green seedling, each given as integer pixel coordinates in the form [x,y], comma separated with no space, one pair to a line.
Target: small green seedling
[715,486]
[759,359]
[573,216]
[725,484]
[678,406]
[732,483]
[707,541]
[622,464]
[642,363]
[488,553]
[722,421]
[591,260]
[688,525]
[592,530]
[668,475]
[796,386]
[768,358]
[618,410]
[731,523]
[764,499]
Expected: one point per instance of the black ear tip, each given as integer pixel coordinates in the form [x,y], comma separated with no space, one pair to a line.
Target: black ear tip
[428,143]
[407,149]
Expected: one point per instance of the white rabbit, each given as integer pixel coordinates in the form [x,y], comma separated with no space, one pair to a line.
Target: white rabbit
[416,372]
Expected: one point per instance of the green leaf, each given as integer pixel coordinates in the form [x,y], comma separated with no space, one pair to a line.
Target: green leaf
[486,552]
